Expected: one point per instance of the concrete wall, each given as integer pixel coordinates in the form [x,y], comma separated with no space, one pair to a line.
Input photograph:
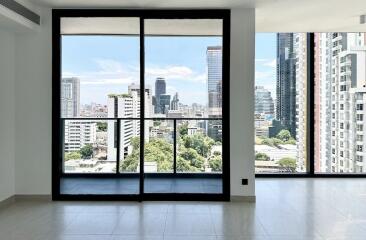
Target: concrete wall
[6,114]
[242,101]
[33,106]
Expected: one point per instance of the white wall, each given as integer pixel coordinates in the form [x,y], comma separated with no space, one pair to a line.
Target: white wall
[242,101]
[33,106]
[6,114]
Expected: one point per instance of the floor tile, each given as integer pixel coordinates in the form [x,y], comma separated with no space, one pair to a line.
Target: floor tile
[192,224]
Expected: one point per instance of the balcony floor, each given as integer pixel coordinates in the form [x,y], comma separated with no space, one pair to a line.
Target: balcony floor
[76,186]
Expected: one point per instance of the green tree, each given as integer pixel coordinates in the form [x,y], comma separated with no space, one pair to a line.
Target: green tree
[72,155]
[199,142]
[262,157]
[216,163]
[284,135]
[101,126]
[273,142]
[131,162]
[157,123]
[86,151]
[183,129]
[159,151]
[135,143]
[288,163]
[184,165]
[191,155]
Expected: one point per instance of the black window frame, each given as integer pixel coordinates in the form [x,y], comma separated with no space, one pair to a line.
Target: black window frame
[310,161]
[57,121]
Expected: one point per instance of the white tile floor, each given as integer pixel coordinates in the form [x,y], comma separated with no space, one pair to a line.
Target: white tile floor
[286,209]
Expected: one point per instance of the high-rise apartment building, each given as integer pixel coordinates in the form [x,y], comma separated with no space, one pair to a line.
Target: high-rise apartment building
[160,89]
[286,82]
[301,81]
[78,134]
[342,88]
[263,101]
[322,101]
[70,97]
[174,105]
[126,106]
[164,103]
[148,97]
[214,88]
[214,81]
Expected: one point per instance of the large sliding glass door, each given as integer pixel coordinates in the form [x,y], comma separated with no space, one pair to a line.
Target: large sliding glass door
[140,104]
[183,65]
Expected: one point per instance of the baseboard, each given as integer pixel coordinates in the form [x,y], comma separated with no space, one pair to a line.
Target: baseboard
[33,197]
[7,201]
[242,198]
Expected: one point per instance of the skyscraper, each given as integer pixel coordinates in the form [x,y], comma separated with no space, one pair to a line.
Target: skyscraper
[160,88]
[148,97]
[214,81]
[342,100]
[301,76]
[127,105]
[214,89]
[263,101]
[174,105]
[286,82]
[164,103]
[70,97]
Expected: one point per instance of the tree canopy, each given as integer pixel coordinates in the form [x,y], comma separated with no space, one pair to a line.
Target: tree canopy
[72,155]
[262,157]
[288,163]
[192,152]
[101,126]
[284,135]
[86,151]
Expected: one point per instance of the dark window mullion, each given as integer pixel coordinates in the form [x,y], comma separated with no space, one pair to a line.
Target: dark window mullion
[142,104]
[118,136]
[175,147]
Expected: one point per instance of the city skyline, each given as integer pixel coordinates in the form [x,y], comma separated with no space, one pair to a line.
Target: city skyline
[113,65]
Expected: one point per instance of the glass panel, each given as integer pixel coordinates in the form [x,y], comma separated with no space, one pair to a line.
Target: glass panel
[340,102]
[183,75]
[183,68]
[96,63]
[158,149]
[100,79]
[86,146]
[281,103]
[199,146]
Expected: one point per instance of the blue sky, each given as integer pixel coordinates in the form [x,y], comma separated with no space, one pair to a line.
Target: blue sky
[108,64]
[265,61]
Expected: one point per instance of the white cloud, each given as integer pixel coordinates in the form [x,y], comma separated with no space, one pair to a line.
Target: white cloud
[266,62]
[271,63]
[176,73]
[109,71]
[263,75]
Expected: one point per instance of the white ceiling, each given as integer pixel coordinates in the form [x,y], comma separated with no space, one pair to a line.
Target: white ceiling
[271,15]
[131,26]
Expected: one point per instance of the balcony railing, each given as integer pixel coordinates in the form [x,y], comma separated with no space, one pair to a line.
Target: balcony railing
[208,129]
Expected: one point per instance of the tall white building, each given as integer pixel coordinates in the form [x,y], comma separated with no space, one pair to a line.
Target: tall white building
[78,134]
[346,75]
[127,106]
[70,97]
[263,101]
[300,56]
